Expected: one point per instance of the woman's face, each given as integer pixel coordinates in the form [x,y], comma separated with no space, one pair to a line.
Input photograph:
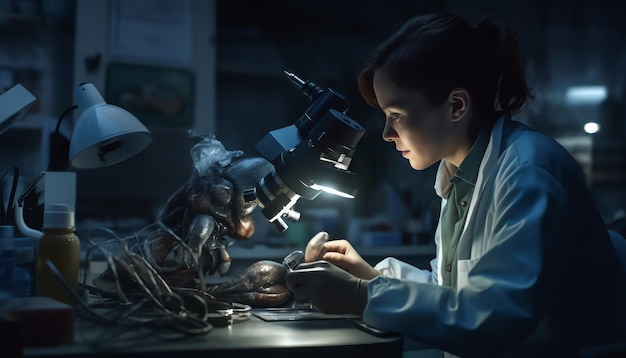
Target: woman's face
[424,134]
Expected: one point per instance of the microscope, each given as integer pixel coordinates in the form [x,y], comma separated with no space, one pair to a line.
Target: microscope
[309,157]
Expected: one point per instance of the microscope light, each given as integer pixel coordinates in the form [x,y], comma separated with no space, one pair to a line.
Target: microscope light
[331,190]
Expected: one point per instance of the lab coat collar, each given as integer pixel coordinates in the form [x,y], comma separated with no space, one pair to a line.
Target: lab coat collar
[442,180]
[468,170]
[446,170]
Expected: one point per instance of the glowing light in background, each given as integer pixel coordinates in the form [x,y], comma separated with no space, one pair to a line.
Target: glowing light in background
[585,95]
[591,127]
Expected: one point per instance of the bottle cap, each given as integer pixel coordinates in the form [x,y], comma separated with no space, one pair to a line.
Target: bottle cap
[58,215]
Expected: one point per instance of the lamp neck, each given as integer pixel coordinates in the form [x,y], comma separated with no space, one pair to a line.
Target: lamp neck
[59,145]
[63,115]
[86,95]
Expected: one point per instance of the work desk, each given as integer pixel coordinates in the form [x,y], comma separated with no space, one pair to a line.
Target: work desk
[248,337]
[252,337]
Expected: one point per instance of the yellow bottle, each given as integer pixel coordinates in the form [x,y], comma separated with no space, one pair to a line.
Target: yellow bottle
[61,247]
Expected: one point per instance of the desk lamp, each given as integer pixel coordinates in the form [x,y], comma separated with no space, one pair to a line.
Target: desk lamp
[104,135]
[309,157]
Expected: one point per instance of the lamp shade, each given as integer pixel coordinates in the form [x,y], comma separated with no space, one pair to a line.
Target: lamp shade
[105,134]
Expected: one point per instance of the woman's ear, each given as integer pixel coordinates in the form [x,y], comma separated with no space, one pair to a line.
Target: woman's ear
[460,100]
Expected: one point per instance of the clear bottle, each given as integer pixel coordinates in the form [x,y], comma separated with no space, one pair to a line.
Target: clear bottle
[59,245]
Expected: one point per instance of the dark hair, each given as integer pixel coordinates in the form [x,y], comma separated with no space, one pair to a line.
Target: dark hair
[433,54]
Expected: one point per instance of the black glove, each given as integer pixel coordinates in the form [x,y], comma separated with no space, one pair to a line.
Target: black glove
[328,288]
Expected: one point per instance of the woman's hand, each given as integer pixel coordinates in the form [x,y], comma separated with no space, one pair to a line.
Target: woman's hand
[341,254]
[328,288]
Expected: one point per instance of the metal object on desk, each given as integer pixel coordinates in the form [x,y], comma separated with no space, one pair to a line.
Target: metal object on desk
[294,259]
[291,262]
[297,313]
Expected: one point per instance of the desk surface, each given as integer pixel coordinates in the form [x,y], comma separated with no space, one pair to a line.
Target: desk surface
[251,338]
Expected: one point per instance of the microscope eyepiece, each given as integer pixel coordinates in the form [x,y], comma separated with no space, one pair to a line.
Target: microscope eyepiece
[307,88]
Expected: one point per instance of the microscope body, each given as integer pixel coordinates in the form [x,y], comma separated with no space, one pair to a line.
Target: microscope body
[307,155]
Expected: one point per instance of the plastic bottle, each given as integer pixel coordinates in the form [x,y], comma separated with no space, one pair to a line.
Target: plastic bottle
[59,245]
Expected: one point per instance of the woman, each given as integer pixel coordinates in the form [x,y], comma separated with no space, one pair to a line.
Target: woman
[523,261]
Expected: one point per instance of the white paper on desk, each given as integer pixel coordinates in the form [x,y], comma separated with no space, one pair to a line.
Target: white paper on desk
[296,314]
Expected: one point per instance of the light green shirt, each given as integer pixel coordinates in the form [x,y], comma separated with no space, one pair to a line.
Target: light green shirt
[455,212]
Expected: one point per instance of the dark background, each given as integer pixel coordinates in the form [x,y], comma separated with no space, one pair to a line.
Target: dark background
[566,43]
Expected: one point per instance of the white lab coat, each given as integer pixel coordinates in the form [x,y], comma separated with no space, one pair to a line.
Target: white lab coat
[536,269]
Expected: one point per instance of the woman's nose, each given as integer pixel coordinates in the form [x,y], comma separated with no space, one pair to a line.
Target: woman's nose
[388,133]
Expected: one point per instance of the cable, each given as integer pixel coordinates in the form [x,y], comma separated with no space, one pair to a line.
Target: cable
[140,303]
[157,298]
[9,214]
[137,315]
[6,214]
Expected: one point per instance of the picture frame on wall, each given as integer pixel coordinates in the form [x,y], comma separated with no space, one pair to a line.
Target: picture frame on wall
[148,31]
[156,95]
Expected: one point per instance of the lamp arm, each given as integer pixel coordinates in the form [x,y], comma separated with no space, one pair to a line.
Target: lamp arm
[59,145]
[63,115]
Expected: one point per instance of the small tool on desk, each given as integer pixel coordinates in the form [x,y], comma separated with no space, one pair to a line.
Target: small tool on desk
[313,248]
[294,259]
[291,262]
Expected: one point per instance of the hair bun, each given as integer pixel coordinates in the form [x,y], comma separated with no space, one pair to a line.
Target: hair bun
[493,31]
